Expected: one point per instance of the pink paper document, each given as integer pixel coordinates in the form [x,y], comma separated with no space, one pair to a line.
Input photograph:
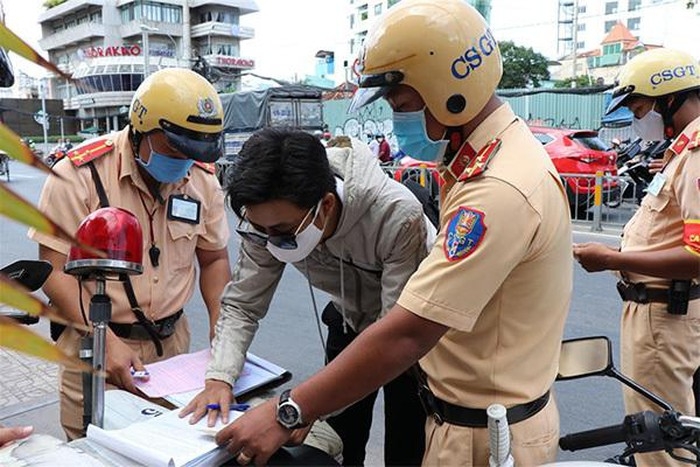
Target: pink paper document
[184,375]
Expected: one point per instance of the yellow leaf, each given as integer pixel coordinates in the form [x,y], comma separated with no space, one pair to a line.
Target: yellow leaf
[15,207]
[11,41]
[12,145]
[17,296]
[18,337]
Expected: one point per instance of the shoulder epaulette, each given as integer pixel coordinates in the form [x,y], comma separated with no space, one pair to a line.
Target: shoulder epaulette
[694,142]
[206,166]
[90,150]
[479,163]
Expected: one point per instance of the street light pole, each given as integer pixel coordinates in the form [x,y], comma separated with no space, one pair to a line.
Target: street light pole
[145,29]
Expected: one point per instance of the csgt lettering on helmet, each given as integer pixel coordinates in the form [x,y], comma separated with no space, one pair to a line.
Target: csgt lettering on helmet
[473,57]
[672,73]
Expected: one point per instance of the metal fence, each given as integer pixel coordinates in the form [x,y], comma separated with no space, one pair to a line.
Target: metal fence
[600,201]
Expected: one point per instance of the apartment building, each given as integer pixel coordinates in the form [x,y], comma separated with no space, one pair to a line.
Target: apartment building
[110,45]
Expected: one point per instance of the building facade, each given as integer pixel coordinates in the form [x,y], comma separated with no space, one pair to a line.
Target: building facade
[668,23]
[110,45]
[362,13]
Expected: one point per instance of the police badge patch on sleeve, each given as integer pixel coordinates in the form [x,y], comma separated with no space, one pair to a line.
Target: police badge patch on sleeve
[464,233]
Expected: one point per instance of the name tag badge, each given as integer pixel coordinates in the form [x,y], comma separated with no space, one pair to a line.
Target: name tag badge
[656,184]
[183,208]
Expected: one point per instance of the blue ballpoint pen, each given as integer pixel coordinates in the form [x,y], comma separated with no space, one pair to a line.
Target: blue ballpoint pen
[235,407]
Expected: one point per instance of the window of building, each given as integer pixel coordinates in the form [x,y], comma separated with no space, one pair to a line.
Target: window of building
[391,3]
[580,45]
[377,9]
[610,8]
[633,23]
[96,17]
[634,5]
[581,9]
[352,21]
[581,27]
[363,12]
[609,25]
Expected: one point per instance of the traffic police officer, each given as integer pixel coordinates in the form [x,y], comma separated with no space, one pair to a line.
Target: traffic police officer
[661,315]
[159,168]
[485,310]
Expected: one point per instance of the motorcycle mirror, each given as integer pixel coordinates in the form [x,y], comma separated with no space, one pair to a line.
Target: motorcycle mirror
[30,273]
[588,356]
[592,356]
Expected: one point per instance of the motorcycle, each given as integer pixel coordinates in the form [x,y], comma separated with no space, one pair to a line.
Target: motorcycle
[633,167]
[31,274]
[666,430]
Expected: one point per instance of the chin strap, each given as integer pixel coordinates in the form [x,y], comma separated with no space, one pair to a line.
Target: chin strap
[454,135]
[668,111]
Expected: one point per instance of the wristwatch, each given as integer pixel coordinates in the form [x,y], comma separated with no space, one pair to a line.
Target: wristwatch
[289,412]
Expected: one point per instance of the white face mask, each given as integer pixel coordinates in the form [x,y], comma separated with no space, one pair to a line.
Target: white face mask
[306,241]
[650,127]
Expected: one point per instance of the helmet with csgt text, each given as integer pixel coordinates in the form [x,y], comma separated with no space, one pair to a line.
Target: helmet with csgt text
[183,105]
[655,73]
[442,49]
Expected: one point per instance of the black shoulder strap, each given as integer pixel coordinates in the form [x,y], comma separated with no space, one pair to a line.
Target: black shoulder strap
[126,280]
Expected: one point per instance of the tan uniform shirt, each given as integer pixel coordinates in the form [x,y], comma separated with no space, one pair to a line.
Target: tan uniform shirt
[162,290]
[499,275]
[667,215]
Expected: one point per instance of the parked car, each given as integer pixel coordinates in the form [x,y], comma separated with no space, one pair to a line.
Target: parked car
[580,152]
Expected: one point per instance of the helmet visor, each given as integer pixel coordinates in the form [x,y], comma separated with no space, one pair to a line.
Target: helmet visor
[203,147]
[373,87]
[618,99]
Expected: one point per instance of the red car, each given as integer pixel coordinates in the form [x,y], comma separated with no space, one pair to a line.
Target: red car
[580,152]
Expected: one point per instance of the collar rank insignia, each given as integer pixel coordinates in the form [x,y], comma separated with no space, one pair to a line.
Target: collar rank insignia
[680,144]
[479,163]
[461,160]
[694,141]
[465,231]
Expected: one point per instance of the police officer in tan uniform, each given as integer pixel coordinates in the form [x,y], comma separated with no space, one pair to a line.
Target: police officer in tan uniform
[661,315]
[159,168]
[484,313]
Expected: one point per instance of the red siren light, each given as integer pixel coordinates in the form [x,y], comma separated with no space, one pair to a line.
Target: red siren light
[115,231]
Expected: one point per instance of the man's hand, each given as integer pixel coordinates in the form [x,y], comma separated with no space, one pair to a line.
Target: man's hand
[298,436]
[119,361]
[10,434]
[214,392]
[255,436]
[594,257]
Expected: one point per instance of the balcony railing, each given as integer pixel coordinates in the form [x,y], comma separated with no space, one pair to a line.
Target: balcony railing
[213,28]
[77,33]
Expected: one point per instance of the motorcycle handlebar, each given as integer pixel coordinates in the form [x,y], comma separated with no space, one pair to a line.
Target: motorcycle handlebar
[593,438]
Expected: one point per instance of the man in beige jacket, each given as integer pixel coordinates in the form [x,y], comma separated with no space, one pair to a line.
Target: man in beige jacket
[354,233]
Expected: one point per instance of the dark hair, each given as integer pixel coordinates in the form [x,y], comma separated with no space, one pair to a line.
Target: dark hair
[279,163]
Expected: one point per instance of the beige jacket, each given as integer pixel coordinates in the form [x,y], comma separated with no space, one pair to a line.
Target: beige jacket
[380,240]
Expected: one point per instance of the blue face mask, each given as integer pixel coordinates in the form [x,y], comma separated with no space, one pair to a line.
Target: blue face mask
[165,169]
[412,136]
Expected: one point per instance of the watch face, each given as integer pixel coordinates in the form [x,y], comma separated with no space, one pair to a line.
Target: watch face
[288,414]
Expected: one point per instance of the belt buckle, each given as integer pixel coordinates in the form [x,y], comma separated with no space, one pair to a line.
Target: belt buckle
[640,290]
[166,329]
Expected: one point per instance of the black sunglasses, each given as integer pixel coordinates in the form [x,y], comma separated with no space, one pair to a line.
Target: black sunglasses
[284,241]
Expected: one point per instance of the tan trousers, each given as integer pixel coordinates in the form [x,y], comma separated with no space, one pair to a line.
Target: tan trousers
[71,382]
[534,441]
[661,352]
